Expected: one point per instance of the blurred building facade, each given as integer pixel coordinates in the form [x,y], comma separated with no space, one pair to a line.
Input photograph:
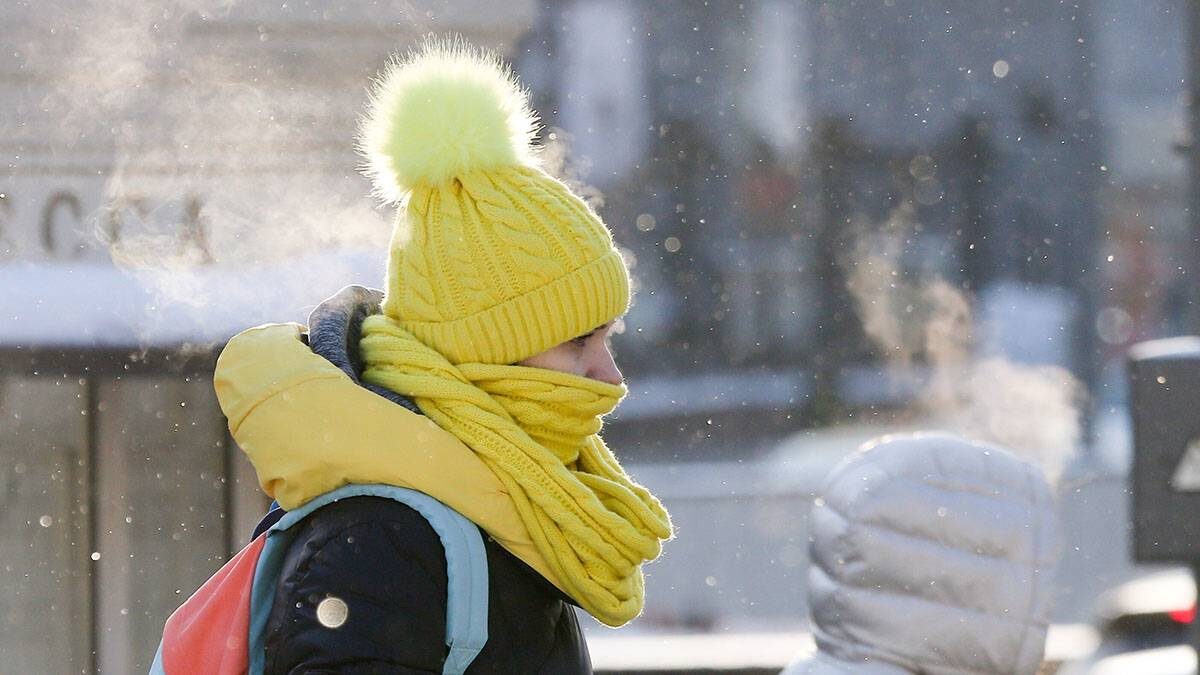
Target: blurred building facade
[165,168]
[747,156]
[747,146]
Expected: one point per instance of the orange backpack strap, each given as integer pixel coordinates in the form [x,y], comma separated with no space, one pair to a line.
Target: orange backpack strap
[221,628]
[209,633]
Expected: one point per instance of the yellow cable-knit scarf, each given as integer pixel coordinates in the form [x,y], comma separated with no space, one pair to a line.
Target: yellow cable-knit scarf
[537,431]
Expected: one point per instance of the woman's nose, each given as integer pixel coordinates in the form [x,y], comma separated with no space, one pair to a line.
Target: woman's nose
[604,367]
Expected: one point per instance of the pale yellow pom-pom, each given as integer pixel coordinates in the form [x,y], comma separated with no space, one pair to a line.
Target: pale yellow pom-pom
[443,111]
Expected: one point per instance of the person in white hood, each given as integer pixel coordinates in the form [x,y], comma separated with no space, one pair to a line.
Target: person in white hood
[930,554]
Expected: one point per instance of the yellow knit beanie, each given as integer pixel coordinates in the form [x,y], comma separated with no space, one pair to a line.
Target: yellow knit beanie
[491,260]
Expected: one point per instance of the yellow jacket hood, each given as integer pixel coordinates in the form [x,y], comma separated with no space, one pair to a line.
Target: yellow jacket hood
[308,428]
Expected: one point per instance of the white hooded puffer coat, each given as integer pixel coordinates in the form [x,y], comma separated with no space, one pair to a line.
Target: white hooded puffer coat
[931,554]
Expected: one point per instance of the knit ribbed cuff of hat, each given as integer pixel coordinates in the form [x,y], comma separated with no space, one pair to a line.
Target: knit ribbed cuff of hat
[529,324]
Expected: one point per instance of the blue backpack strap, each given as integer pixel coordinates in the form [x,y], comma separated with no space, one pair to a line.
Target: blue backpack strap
[156,667]
[466,567]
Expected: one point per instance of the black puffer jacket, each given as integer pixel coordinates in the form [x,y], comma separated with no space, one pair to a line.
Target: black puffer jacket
[387,564]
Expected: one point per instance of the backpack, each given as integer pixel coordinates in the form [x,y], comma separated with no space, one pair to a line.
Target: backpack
[219,629]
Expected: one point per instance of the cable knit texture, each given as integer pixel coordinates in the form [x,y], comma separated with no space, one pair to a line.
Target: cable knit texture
[492,260]
[537,430]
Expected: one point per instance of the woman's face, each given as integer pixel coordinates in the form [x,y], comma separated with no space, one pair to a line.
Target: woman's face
[587,356]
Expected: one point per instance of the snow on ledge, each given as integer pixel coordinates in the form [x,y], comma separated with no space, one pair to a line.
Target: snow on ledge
[98,305]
